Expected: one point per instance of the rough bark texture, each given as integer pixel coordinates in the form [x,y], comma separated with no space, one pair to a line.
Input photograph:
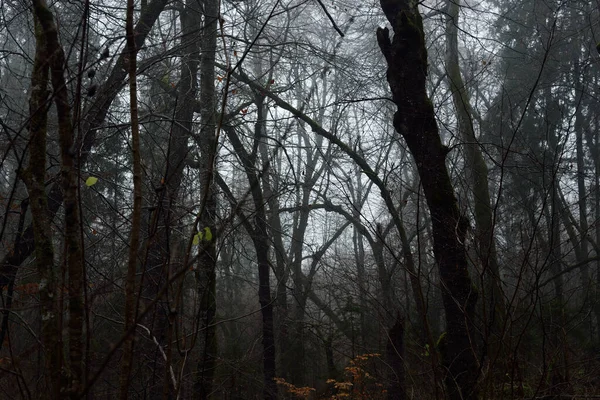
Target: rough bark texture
[35,176]
[406,57]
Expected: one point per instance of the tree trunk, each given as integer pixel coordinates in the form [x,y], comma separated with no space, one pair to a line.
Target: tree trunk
[260,239]
[406,57]
[395,360]
[34,177]
[74,256]
[493,305]
[134,236]
[208,255]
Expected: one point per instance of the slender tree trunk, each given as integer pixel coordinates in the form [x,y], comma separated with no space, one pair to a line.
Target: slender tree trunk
[359,257]
[593,142]
[270,184]
[406,57]
[385,193]
[136,219]
[558,368]
[264,297]
[494,309]
[260,239]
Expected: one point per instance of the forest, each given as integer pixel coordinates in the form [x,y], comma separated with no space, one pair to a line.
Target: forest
[300,199]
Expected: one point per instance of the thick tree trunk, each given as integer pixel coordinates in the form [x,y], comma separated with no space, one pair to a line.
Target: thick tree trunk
[406,57]
[34,177]
[74,256]
[395,360]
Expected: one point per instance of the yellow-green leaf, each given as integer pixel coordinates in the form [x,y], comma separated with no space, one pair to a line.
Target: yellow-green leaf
[91,181]
[197,238]
[207,234]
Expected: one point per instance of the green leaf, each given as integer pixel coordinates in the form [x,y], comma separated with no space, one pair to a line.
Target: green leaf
[91,181]
[207,234]
[197,238]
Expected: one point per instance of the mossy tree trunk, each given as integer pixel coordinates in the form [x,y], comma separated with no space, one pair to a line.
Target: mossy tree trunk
[406,57]
[35,176]
[74,256]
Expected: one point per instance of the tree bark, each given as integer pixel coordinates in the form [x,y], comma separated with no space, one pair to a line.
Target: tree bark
[406,57]
[208,254]
[74,256]
[34,177]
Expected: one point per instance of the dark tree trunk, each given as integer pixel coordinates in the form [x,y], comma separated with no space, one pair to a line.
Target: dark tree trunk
[260,239]
[73,246]
[34,176]
[406,57]
[207,259]
[134,236]
[395,360]
[493,307]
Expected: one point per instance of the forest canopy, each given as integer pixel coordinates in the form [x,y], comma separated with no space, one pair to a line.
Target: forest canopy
[282,199]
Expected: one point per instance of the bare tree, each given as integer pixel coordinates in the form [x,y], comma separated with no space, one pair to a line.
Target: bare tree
[406,56]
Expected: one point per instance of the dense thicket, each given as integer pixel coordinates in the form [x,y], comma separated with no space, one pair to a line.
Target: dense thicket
[278,199]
